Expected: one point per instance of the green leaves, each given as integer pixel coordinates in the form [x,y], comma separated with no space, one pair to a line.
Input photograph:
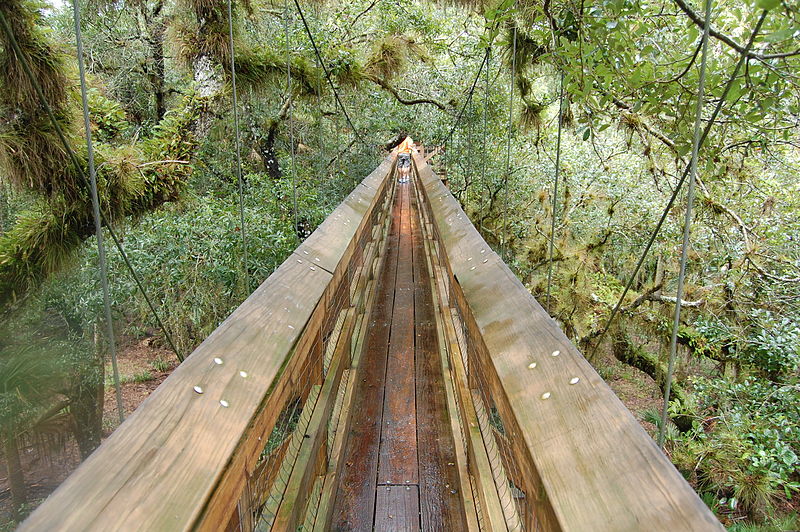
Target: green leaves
[781,35]
[768,4]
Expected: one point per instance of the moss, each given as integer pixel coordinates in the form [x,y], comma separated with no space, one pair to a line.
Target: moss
[31,153]
[46,237]
[255,66]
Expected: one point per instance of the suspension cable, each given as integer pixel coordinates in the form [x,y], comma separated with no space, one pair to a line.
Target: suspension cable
[98,226]
[555,190]
[485,127]
[668,207]
[327,73]
[687,224]
[286,17]
[238,149]
[508,149]
[469,97]
[82,174]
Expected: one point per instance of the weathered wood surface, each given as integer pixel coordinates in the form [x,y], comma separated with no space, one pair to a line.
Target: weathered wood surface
[397,509]
[440,491]
[398,444]
[353,507]
[181,460]
[587,462]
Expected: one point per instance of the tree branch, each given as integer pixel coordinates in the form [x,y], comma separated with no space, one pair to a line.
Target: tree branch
[698,20]
[416,101]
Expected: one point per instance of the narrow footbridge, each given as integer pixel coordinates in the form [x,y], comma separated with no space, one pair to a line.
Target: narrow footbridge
[392,374]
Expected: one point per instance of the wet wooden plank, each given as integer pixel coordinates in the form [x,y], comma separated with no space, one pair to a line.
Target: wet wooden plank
[355,497]
[398,447]
[397,509]
[441,503]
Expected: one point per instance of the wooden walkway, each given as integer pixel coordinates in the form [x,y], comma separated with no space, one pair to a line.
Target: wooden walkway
[400,468]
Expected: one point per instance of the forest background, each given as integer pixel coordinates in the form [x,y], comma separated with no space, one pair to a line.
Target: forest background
[161,116]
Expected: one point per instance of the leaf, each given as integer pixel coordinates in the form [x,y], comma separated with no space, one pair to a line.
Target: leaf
[780,35]
[587,133]
[768,4]
[611,24]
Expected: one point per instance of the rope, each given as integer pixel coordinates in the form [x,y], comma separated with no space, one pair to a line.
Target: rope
[290,116]
[555,189]
[327,73]
[687,225]
[508,150]
[668,207]
[238,149]
[74,159]
[98,227]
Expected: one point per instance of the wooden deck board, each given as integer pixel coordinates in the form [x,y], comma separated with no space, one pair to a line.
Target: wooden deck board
[355,498]
[398,452]
[401,488]
[397,509]
[441,503]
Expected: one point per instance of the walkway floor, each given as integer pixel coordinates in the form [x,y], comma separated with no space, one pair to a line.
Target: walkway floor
[396,477]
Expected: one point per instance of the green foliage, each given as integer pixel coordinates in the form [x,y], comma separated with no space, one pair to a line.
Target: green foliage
[774,345]
[255,66]
[108,117]
[743,447]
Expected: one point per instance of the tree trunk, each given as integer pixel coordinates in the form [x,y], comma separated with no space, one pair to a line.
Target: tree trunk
[625,351]
[86,402]
[16,479]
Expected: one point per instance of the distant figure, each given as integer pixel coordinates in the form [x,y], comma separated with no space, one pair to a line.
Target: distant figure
[404,159]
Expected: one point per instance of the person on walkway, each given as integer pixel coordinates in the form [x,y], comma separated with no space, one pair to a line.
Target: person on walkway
[404,159]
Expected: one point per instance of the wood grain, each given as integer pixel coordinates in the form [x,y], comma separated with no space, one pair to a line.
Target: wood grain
[441,502]
[355,498]
[398,444]
[397,509]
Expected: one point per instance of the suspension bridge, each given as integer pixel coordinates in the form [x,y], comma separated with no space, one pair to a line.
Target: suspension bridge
[392,374]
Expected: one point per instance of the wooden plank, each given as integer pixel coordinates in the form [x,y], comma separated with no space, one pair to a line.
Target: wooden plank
[274,498]
[397,509]
[398,445]
[441,503]
[580,474]
[181,431]
[355,497]
[481,469]
[327,498]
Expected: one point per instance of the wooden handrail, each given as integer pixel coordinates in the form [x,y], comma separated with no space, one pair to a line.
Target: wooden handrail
[579,458]
[182,461]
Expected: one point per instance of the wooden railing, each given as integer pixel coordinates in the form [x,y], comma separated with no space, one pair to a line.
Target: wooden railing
[246,434]
[550,446]
[237,436]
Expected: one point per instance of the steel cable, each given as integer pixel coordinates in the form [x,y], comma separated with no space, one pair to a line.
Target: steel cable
[668,207]
[98,225]
[238,150]
[555,190]
[508,149]
[687,225]
[327,73]
[82,174]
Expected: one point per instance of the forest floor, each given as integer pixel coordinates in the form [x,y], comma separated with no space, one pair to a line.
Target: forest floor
[143,365]
[636,389]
